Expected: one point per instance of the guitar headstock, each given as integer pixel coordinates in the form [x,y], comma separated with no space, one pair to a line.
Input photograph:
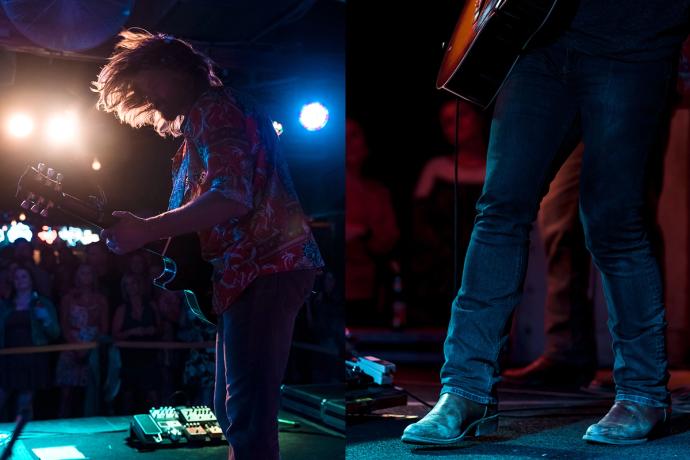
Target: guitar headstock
[41,188]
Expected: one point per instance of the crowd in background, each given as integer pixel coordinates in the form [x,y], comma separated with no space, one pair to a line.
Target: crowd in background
[401,272]
[55,294]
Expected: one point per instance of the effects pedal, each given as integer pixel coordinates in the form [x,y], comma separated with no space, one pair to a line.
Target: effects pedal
[176,426]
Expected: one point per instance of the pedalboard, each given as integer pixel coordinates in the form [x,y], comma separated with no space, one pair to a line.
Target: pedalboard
[176,426]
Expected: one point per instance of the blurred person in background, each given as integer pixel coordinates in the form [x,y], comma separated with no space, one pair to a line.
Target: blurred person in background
[136,320]
[434,204]
[26,319]
[84,317]
[371,233]
[24,255]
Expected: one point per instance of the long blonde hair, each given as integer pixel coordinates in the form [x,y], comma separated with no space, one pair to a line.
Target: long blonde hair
[138,50]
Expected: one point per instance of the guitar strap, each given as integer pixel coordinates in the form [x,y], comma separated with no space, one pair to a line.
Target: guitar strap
[165,248]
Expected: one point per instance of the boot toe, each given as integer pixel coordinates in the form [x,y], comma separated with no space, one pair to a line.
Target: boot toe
[611,434]
[428,430]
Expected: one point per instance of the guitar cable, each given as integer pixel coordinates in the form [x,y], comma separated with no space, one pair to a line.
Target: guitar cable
[455,200]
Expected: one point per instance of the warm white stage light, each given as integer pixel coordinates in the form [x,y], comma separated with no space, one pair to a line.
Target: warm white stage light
[96,165]
[62,128]
[20,125]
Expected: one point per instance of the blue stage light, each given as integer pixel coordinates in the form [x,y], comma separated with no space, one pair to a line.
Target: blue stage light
[313,116]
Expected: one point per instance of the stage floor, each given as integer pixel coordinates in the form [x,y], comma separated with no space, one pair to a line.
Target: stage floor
[533,424]
[103,438]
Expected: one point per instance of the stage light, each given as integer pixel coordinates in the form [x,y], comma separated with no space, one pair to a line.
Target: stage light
[278,127]
[313,116]
[22,217]
[20,125]
[73,235]
[62,128]
[48,235]
[96,165]
[19,231]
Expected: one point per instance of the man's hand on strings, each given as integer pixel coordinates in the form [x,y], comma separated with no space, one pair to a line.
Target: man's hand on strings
[128,234]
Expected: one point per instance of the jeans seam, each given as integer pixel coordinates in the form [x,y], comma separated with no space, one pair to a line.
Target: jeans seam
[640,399]
[468,395]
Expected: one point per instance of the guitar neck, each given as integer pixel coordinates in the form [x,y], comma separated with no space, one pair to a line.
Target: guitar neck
[44,193]
[85,212]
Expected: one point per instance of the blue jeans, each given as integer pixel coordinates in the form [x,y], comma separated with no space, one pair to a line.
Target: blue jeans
[620,108]
[252,348]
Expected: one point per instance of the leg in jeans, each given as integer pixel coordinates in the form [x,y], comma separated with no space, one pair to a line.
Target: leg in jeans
[253,345]
[623,112]
[534,114]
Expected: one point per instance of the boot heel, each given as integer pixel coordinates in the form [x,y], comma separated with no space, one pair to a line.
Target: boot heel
[487,426]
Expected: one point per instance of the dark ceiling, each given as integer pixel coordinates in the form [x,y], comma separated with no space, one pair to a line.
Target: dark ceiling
[259,36]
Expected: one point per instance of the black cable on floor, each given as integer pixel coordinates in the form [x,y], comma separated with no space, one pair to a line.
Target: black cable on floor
[455,201]
[430,406]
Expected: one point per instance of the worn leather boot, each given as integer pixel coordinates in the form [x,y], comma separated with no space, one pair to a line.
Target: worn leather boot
[629,423]
[452,418]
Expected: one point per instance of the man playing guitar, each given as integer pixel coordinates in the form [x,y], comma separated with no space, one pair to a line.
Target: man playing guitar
[606,76]
[232,186]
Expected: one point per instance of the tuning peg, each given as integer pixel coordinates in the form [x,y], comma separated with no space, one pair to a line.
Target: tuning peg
[26,204]
[44,213]
[59,178]
[51,173]
[38,205]
[41,167]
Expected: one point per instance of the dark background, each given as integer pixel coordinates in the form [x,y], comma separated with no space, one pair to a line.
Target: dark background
[284,53]
[394,52]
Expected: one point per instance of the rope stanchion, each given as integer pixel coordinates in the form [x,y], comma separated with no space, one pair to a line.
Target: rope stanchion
[120,344]
[165,345]
[48,348]
[146,346]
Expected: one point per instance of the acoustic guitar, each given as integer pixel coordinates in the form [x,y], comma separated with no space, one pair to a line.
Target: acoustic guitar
[486,43]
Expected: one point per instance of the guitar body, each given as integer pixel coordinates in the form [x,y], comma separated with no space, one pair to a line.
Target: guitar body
[186,273]
[485,44]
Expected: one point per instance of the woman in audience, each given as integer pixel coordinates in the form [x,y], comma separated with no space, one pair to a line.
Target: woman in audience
[26,319]
[84,318]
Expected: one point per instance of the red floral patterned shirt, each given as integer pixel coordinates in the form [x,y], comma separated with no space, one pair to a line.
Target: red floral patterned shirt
[232,149]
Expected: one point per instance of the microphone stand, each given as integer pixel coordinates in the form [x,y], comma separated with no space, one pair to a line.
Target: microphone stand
[22,420]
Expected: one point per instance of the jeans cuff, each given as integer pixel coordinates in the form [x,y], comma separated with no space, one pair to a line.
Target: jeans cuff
[468,395]
[641,400]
